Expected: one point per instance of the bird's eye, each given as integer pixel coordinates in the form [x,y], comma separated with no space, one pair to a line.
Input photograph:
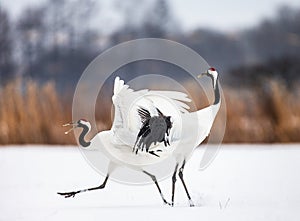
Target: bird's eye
[212,69]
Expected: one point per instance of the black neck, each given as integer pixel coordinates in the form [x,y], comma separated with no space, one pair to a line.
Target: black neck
[82,141]
[217,92]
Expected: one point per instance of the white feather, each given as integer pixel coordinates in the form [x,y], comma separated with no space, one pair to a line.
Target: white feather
[126,102]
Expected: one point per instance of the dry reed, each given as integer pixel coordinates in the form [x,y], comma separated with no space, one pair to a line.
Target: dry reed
[32,113]
[265,115]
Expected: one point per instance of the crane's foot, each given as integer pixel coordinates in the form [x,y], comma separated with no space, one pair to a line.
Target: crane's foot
[69,194]
[167,203]
[191,203]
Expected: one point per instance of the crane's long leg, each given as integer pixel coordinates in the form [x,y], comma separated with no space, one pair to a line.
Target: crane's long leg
[73,193]
[111,167]
[173,184]
[156,183]
[182,180]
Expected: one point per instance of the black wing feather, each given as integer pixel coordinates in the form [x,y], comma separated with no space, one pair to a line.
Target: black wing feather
[144,114]
[159,112]
[144,129]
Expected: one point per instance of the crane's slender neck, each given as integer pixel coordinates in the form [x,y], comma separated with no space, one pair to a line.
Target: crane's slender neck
[217,92]
[84,132]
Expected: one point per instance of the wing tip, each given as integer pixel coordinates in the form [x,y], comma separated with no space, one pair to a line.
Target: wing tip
[118,85]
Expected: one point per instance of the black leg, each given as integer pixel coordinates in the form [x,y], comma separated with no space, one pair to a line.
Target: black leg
[73,193]
[182,180]
[173,183]
[156,183]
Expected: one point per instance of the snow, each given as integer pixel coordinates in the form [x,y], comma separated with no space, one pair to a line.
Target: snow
[245,182]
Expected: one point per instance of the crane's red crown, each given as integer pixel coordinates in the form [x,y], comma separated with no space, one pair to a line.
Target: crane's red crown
[84,120]
[212,69]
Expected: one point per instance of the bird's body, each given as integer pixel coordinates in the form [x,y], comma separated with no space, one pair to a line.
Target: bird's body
[154,129]
[155,124]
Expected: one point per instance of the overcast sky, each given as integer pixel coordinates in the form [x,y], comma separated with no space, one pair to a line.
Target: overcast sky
[229,15]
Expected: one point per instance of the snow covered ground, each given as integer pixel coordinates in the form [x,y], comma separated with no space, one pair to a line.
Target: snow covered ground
[245,182]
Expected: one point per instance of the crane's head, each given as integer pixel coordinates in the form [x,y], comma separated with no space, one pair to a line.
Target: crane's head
[80,123]
[212,73]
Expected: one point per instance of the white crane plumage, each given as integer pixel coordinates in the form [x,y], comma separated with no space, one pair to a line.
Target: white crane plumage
[186,130]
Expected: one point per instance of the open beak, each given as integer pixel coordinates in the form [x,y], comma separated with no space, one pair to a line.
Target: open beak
[201,75]
[73,125]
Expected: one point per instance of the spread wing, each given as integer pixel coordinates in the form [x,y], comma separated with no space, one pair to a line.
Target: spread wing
[125,98]
[177,98]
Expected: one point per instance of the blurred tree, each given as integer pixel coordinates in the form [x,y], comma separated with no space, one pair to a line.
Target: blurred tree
[275,48]
[56,40]
[72,42]
[68,22]
[277,37]
[31,35]
[59,39]
[6,56]
[222,51]
[158,20]
[131,12]
[144,19]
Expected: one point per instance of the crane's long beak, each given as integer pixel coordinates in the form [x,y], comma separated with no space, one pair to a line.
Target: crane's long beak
[201,75]
[74,125]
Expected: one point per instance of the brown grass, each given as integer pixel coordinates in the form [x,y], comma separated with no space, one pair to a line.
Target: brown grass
[34,114]
[264,115]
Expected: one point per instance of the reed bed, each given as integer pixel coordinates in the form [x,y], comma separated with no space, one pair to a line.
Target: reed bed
[33,114]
